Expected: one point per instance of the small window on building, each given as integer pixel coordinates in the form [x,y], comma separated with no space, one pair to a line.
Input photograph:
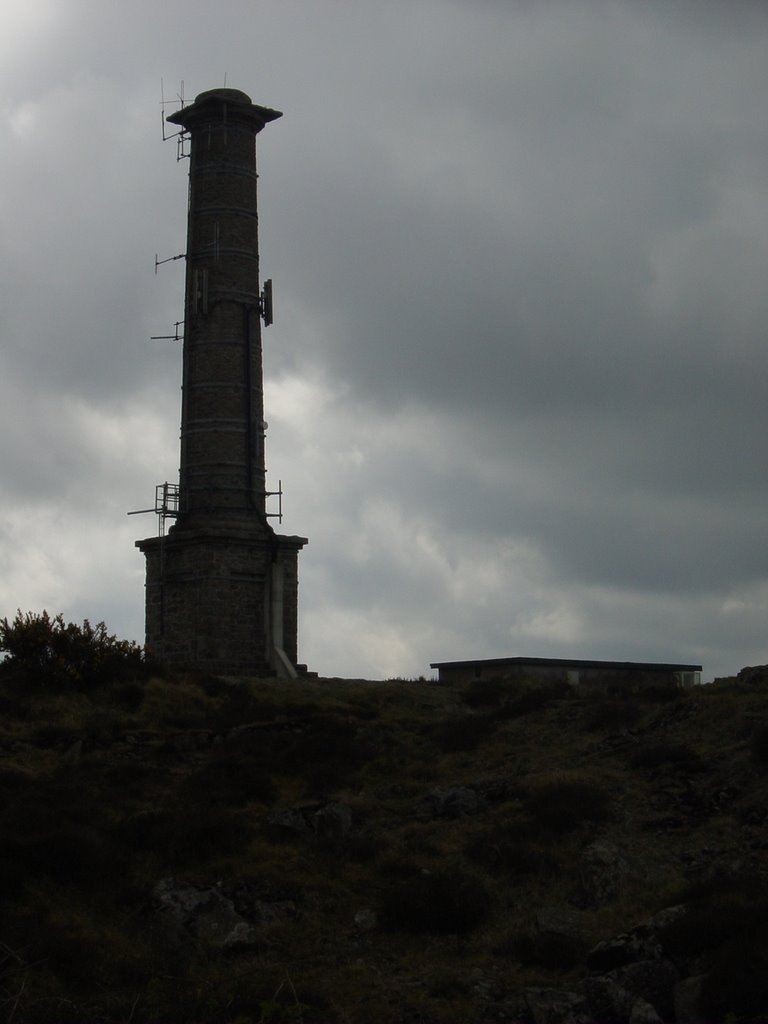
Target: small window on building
[572,676]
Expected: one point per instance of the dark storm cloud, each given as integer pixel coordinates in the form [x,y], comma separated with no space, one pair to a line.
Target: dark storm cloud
[515,382]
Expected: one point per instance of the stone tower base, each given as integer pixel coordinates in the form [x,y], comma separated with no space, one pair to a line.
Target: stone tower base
[223,602]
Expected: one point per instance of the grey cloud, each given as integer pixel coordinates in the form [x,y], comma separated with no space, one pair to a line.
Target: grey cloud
[540,227]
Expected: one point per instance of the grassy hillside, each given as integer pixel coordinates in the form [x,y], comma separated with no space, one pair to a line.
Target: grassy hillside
[185,849]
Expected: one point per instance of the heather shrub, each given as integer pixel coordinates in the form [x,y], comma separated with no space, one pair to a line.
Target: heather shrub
[562,803]
[512,698]
[533,698]
[676,756]
[52,734]
[464,732]
[129,696]
[48,834]
[68,853]
[553,952]
[53,654]
[506,849]
[611,713]
[230,779]
[449,901]
[184,835]
[324,752]
[238,706]
[488,692]
[759,746]
[725,935]
[659,694]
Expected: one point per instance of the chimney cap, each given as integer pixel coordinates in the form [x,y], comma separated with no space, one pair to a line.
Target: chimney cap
[227,95]
[239,102]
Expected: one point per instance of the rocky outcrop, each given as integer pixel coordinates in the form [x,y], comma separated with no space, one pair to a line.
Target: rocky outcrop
[632,980]
[326,821]
[557,1006]
[561,936]
[603,870]
[455,802]
[198,914]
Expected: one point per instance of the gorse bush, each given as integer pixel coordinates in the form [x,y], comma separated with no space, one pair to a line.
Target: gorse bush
[62,655]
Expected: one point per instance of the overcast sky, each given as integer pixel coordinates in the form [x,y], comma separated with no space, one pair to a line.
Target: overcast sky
[517,381]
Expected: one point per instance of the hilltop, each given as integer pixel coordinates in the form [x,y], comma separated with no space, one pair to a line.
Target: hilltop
[182,849]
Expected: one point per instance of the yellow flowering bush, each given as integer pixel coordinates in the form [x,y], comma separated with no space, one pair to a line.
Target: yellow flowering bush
[62,654]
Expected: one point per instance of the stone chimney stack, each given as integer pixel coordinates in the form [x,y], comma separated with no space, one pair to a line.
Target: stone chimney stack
[221,588]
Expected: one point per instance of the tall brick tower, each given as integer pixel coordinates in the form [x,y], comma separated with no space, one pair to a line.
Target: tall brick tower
[222,586]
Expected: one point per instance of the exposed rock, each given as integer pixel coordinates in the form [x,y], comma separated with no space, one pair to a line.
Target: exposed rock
[618,951]
[366,919]
[328,821]
[638,993]
[688,999]
[651,980]
[561,934]
[455,802]
[483,985]
[212,915]
[607,1000]
[293,819]
[652,926]
[753,674]
[554,1006]
[332,821]
[644,1013]
[183,742]
[642,943]
[73,753]
[202,914]
[602,871]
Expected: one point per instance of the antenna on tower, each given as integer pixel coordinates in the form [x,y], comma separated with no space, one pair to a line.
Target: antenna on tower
[176,336]
[168,259]
[266,307]
[166,505]
[181,136]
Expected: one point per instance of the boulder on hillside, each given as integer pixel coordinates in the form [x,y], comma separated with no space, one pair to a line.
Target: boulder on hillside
[603,869]
[642,943]
[326,821]
[200,914]
[562,937]
[555,1006]
[455,802]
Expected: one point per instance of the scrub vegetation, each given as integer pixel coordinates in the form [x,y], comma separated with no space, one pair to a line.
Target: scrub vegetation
[392,850]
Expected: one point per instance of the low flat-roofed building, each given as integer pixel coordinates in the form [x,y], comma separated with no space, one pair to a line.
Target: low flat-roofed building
[600,675]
